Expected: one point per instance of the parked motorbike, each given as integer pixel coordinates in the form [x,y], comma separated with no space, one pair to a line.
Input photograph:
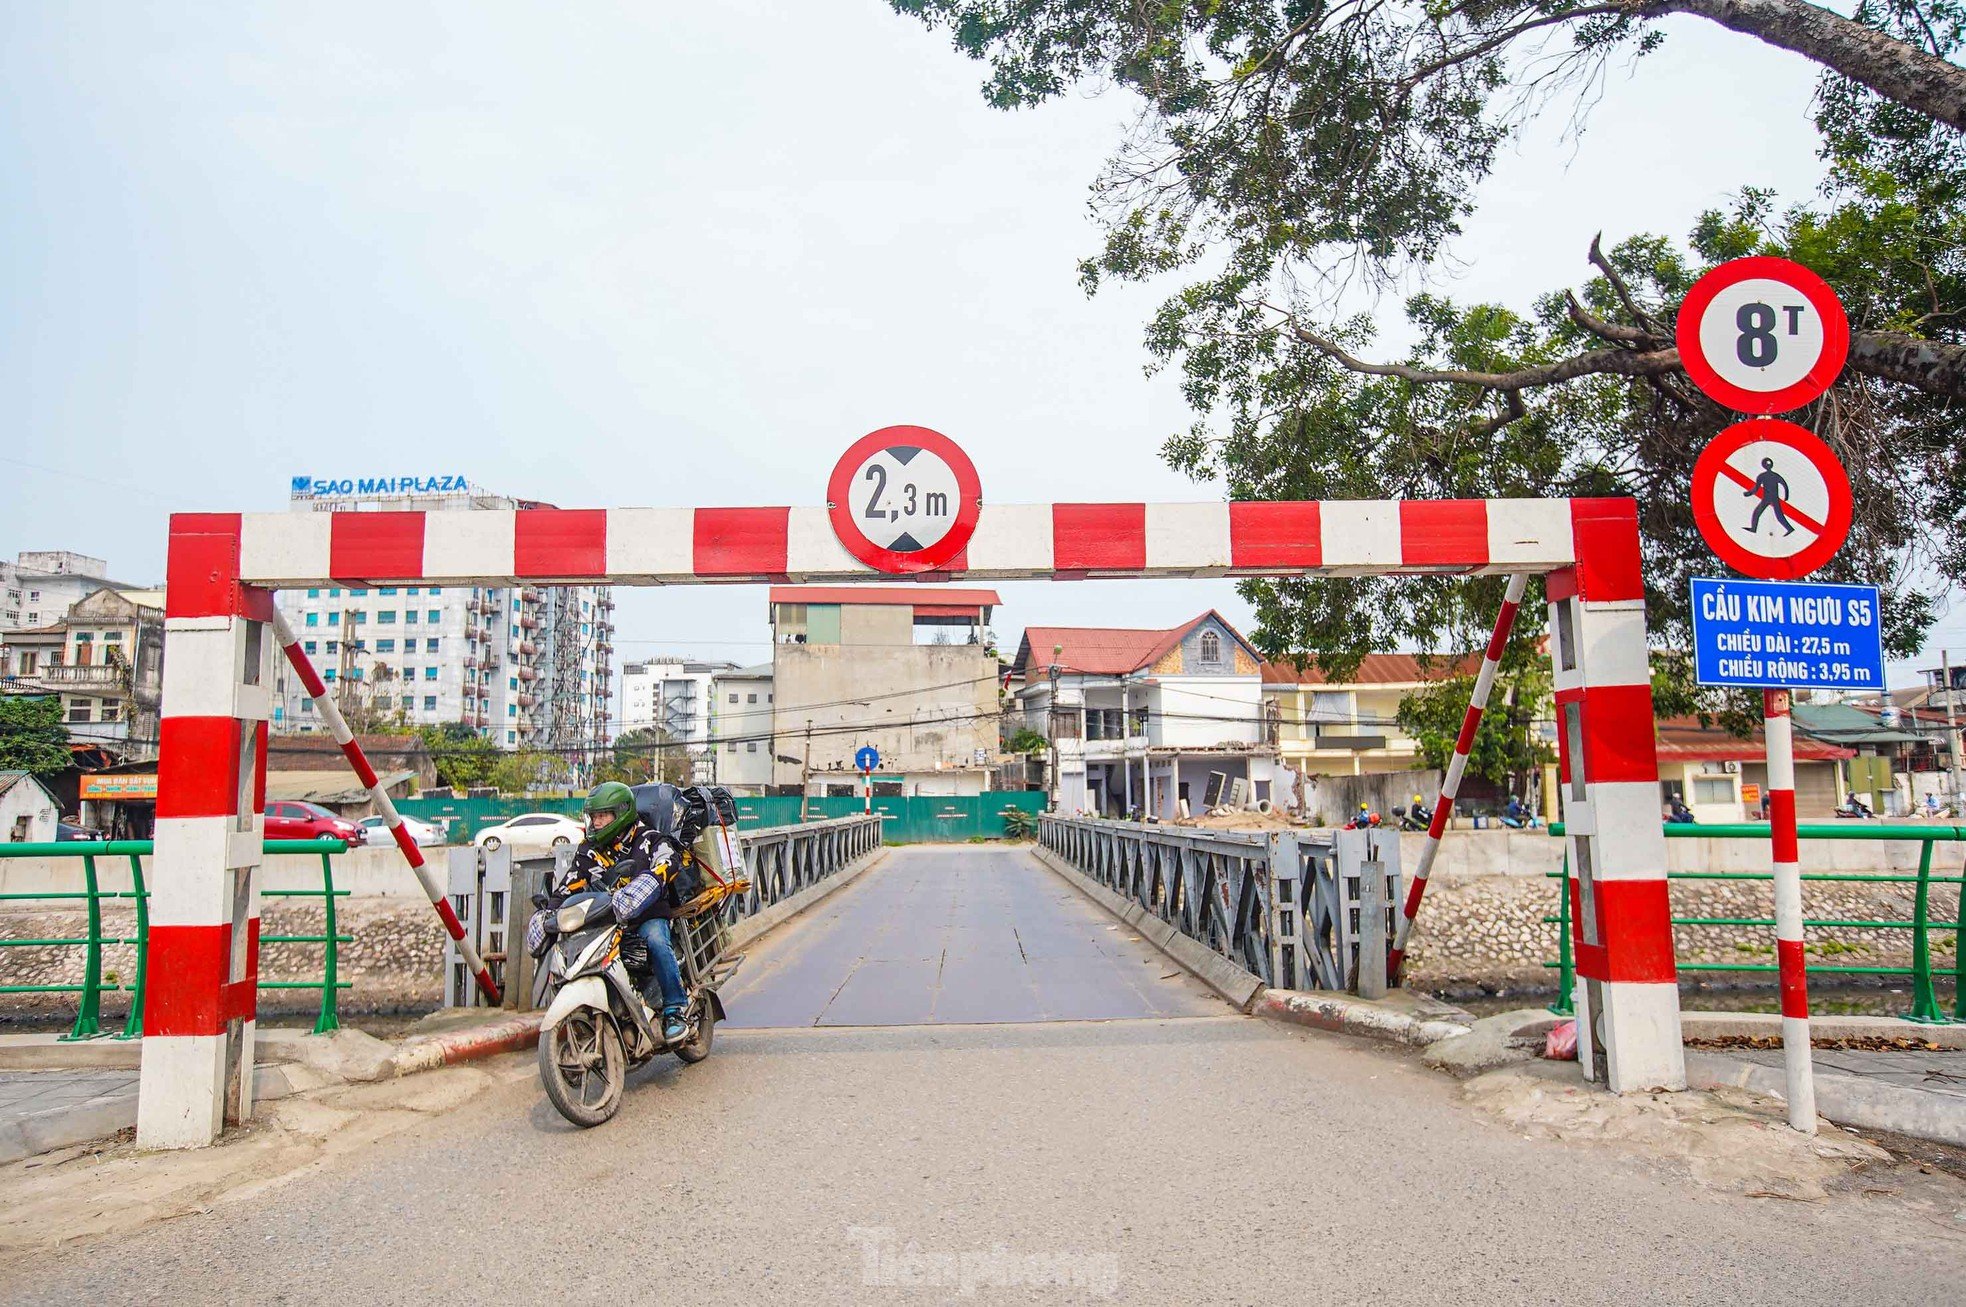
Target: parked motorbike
[597,1028]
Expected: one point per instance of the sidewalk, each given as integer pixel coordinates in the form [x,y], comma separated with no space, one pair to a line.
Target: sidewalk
[1916,1092]
[54,1093]
[42,1110]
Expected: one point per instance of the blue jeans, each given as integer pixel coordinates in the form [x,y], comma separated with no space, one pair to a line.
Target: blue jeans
[662,955]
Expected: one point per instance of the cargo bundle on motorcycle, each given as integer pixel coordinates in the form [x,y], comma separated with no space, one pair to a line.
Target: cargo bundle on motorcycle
[596,1025]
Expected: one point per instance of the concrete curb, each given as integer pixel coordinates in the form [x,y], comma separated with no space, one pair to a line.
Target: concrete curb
[427,1053]
[1238,986]
[1759,1025]
[1844,1099]
[1354,1016]
[748,930]
[44,1132]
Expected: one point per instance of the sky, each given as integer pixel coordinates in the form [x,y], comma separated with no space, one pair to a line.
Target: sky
[650,254]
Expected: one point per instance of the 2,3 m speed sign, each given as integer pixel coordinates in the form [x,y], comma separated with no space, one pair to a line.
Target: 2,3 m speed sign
[1762,335]
[904,500]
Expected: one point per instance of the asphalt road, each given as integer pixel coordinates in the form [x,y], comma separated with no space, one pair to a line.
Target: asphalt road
[1218,1159]
[958,935]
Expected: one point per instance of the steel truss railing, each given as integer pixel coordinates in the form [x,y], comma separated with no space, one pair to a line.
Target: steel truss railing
[1283,905]
[783,860]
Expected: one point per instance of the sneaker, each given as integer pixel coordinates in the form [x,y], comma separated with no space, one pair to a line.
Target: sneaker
[673,1028]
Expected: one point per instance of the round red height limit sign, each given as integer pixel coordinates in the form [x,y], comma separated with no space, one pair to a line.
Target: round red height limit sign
[904,500]
[1771,499]
[1762,335]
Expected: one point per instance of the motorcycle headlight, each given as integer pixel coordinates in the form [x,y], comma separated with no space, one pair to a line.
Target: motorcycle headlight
[572,917]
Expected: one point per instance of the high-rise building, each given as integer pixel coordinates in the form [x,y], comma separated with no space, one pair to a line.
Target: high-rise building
[672,694]
[528,667]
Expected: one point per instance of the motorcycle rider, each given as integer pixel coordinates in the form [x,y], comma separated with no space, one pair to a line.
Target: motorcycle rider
[634,864]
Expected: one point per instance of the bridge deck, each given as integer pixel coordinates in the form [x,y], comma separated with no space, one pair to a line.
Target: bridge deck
[958,935]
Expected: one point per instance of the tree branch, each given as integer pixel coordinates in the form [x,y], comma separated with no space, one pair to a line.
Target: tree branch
[1612,331]
[1934,367]
[1896,70]
[1614,362]
[1638,315]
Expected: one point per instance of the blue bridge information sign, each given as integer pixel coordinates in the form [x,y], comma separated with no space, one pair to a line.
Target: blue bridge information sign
[1787,634]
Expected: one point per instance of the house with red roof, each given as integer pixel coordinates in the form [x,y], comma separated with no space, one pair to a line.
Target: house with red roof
[1150,720]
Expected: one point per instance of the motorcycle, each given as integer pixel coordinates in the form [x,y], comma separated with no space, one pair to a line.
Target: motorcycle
[597,1028]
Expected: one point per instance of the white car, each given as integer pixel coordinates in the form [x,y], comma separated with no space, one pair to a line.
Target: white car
[421,831]
[532,833]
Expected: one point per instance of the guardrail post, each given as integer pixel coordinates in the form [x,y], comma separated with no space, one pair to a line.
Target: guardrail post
[1566,972]
[329,1020]
[1924,1001]
[1286,894]
[133,1026]
[202,998]
[1959,955]
[88,1016]
[1370,976]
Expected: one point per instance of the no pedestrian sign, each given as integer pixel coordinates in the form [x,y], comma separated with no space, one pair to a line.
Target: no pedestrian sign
[904,500]
[1775,635]
[1771,499]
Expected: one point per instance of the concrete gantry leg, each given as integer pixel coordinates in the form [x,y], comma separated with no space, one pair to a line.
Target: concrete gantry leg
[202,985]
[1628,1032]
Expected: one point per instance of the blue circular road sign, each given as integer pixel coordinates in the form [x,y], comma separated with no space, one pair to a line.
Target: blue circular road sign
[868,758]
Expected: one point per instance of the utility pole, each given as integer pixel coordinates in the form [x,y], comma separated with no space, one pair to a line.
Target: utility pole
[1051,730]
[1952,734]
[805,775]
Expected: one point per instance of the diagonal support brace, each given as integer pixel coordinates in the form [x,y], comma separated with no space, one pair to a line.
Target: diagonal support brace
[1456,767]
[331,713]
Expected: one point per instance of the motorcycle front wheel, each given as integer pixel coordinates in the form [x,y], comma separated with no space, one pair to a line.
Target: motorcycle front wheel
[583,1067]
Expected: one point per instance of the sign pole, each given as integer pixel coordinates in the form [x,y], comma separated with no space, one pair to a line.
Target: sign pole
[867,793]
[1788,910]
[1952,739]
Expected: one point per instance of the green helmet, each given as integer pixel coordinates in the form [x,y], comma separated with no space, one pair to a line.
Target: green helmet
[610,810]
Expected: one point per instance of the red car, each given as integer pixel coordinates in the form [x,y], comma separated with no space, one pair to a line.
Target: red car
[289,819]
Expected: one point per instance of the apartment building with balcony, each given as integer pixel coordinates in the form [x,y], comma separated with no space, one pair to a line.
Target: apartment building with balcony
[104,657]
[1351,727]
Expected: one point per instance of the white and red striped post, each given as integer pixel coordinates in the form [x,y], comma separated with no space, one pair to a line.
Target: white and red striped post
[203,966]
[1796,1056]
[1450,788]
[317,690]
[1628,1031]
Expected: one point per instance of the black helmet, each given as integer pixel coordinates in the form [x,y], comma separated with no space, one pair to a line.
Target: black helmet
[660,806]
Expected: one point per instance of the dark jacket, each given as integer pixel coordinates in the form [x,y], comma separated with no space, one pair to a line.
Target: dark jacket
[635,869]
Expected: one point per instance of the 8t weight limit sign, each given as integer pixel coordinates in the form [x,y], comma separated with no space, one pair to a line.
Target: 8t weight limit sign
[1762,335]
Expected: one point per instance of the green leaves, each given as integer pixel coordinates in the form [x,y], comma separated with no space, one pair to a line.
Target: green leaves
[32,737]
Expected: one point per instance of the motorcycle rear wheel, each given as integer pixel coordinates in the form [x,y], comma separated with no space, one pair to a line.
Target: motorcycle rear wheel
[583,1067]
[697,1046]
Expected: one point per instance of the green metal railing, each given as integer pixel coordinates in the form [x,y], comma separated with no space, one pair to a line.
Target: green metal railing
[88,1014]
[1925,1007]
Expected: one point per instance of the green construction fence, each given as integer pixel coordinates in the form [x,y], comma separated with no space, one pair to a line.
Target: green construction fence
[919,820]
